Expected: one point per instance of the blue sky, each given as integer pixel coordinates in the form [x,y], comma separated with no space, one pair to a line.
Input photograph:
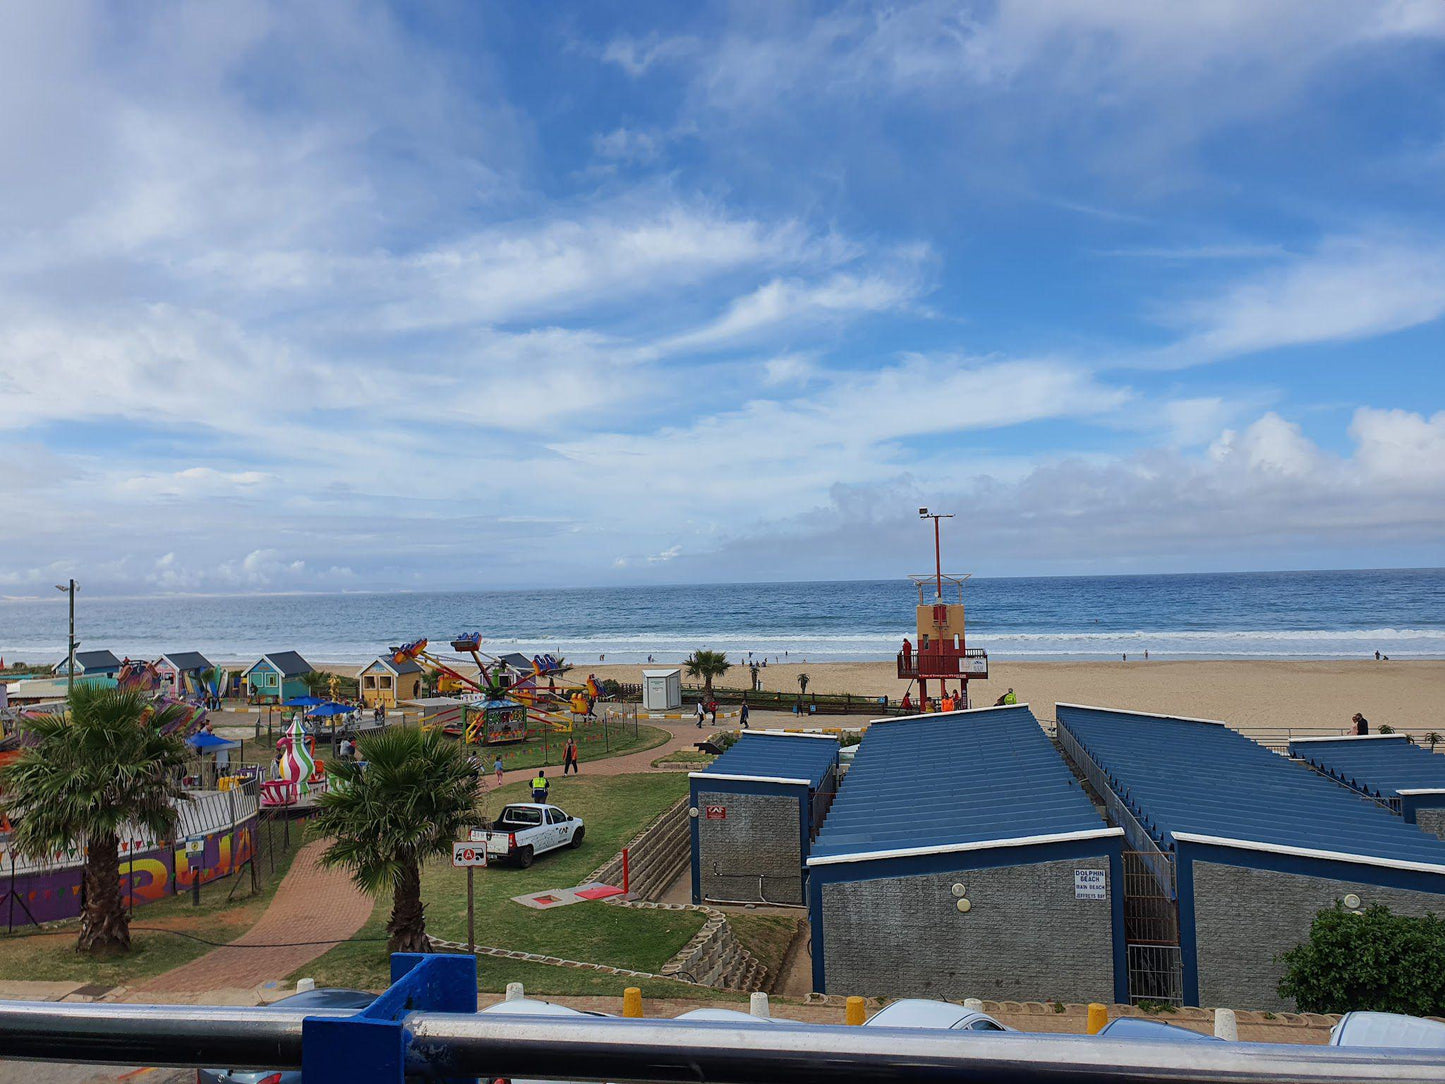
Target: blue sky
[359,296]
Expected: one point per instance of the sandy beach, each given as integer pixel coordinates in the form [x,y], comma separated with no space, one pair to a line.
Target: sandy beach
[1251,695]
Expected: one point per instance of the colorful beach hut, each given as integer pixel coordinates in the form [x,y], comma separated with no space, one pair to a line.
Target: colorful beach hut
[181,672]
[93,667]
[387,683]
[276,677]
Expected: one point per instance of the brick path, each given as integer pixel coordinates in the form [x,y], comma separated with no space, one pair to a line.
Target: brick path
[311,904]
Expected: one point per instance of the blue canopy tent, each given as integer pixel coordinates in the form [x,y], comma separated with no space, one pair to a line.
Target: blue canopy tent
[210,743]
[304,702]
[217,746]
[325,710]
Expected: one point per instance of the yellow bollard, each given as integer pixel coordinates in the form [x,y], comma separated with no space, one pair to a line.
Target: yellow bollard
[1098,1017]
[853,1012]
[632,1001]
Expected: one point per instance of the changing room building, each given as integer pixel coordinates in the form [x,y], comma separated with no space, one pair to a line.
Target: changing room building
[1250,845]
[963,859]
[755,812]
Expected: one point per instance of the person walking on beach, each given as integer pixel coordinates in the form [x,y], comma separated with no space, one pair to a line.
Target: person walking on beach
[743,715]
[712,712]
[701,714]
[539,786]
[569,758]
[907,704]
[1361,725]
[498,769]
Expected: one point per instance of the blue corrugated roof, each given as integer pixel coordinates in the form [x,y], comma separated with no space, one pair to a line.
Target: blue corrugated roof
[777,756]
[967,777]
[1382,765]
[1179,775]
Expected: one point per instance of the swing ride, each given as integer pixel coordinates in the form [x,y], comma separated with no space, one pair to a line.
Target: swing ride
[506,694]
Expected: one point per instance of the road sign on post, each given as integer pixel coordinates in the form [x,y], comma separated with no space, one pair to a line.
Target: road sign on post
[469,854]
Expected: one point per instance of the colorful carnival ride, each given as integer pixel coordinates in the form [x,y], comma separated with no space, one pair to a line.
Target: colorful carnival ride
[298,772]
[508,695]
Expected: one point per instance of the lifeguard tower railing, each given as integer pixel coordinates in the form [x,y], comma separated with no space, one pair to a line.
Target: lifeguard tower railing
[943,661]
[425,1027]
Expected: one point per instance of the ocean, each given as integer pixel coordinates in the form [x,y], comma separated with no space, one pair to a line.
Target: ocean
[1250,615]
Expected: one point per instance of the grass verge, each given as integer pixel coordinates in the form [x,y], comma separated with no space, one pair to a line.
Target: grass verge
[767,937]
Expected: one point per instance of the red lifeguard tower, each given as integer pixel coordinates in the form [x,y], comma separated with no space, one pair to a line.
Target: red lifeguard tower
[941,650]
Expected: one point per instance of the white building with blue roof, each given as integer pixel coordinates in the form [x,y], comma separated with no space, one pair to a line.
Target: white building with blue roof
[963,859]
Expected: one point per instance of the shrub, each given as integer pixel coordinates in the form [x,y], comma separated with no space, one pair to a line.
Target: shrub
[1371,960]
[611,687]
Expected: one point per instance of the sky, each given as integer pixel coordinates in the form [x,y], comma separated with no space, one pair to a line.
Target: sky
[362,296]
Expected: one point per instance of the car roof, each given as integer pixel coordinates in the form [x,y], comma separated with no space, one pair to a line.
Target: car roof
[730,1016]
[530,1006]
[1128,1027]
[329,997]
[918,1012]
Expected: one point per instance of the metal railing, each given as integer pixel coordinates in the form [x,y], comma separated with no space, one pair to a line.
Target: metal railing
[1139,839]
[384,1045]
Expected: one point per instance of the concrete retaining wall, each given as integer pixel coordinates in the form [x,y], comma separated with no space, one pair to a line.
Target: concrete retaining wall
[657,855]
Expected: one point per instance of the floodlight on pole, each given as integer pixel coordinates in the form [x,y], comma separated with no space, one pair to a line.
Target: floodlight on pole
[924,513]
[70,588]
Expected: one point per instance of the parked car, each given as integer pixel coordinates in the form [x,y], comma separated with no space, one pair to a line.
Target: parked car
[529,1006]
[1388,1029]
[319,1000]
[1131,1027]
[527,829]
[917,1012]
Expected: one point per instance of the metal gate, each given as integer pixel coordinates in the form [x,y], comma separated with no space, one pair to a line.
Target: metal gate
[1151,929]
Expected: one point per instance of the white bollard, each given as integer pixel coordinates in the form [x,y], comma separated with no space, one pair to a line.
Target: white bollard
[973,1003]
[758,1006]
[514,991]
[1225,1025]
[302,985]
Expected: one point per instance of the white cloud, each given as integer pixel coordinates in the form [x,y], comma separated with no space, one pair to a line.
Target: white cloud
[636,56]
[1349,288]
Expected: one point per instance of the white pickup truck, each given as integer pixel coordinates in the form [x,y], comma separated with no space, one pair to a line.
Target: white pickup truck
[527,829]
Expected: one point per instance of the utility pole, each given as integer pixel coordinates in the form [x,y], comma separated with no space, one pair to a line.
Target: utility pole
[70,664]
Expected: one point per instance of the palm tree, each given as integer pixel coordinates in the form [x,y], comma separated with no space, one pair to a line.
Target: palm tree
[1434,739]
[753,673]
[101,767]
[803,680]
[707,665]
[317,682]
[416,794]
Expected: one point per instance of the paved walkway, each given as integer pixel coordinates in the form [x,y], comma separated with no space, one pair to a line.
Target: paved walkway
[311,904]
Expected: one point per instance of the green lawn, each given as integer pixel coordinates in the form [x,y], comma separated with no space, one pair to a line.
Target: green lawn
[614,809]
[684,758]
[595,741]
[50,954]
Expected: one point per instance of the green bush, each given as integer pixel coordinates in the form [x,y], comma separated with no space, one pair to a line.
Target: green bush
[1370,960]
[611,688]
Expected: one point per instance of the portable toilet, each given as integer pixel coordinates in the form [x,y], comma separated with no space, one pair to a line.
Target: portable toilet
[755,811]
[662,690]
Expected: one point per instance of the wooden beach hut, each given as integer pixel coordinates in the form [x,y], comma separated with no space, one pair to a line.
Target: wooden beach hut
[276,677]
[388,683]
[181,672]
[92,667]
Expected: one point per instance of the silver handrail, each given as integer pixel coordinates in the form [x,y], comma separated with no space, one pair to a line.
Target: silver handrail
[593,1048]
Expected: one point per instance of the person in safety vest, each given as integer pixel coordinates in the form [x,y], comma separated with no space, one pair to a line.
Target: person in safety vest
[539,786]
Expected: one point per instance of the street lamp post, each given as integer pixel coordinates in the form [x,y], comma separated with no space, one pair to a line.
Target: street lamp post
[70,661]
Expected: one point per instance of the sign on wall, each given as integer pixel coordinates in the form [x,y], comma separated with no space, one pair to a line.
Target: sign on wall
[717,813]
[1090,884]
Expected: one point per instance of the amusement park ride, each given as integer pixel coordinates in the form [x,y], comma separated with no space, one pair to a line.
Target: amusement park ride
[941,651]
[507,696]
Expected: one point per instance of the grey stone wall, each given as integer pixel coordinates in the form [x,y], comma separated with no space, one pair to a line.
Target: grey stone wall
[1432,821]
[1245,918]
[1025,938]
[757,839]
[656,855]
